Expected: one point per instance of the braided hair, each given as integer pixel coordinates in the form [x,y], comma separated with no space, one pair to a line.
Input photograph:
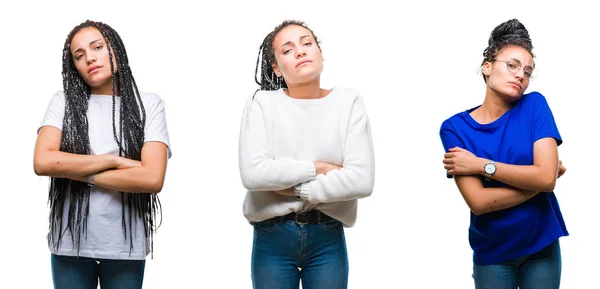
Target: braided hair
[266,58]
[509,33]
[128,134]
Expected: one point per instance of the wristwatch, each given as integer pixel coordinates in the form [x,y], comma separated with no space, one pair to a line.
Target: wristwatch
[489,169]
[297,190]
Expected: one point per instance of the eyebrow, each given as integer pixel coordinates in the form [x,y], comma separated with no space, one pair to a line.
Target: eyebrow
[90,44]
[522,63]
[301,37]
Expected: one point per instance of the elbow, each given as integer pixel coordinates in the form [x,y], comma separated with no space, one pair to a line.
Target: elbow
[479,209]
[249,185]
[479,206]
[548,185]
[155,186]
[249,180]
[364,191]
[41,168]
[476,208]
[38,169]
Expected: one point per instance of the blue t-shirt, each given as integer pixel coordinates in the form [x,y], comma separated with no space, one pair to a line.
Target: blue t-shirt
[532,225]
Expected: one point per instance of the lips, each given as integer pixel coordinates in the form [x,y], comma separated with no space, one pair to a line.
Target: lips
[303,62]
[94,69]
[515,84]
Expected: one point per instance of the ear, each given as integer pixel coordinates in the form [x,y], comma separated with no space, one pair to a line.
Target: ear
[276,70]
[486,68]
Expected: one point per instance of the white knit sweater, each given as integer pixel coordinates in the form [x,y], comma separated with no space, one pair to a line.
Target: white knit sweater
[281,137]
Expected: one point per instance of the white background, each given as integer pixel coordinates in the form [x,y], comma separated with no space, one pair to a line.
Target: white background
[415,64]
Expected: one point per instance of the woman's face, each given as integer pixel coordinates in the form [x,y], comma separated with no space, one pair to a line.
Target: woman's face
[90,56]
[298,57]
[509,73]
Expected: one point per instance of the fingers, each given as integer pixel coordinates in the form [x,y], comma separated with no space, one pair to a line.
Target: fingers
[448,161]
[456,149]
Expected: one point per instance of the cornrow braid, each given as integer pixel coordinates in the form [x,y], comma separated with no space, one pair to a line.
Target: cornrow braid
[509,33]
[266,58]
[75,139]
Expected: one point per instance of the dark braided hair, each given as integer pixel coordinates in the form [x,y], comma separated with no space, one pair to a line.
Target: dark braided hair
[509,33]
[266,58]
[129,136]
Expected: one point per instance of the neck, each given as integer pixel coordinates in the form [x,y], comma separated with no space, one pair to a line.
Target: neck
[309,90]
[493,107]
[105,89]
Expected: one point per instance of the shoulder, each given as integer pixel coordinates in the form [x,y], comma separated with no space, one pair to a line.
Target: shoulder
[453,121]
[349,94]
[264,95]
[262,98]
[344,97]
[150,98]
[533,101]
[58,96]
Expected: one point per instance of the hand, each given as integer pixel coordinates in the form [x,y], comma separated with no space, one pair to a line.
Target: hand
[462,162]
[561,169]
[324,168]
[125,163]
[287,192]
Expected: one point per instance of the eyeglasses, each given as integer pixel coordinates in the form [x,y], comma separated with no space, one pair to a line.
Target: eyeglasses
[514,66]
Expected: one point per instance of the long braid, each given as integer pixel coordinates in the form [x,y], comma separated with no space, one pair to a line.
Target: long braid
[266,58]
[75,139]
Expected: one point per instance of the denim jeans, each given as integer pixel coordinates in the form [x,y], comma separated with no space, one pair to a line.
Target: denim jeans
[283,253]
[83,273]
[540,270]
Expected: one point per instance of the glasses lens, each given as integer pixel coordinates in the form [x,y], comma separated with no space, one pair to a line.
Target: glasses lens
[513,65]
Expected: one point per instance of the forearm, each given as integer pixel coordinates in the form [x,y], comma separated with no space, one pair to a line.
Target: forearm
[132,180]
[347,183]
[484,200]
[68,165]
[495,199]
[272,175]
[532,177]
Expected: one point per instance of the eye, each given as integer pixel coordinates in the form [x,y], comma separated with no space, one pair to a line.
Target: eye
[512,65]
[286,51]
[308,44]
[98,47]
[77,57]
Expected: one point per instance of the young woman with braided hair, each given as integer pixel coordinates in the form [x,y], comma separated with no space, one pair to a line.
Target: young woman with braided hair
[105,147]
[306,157]
[503,155]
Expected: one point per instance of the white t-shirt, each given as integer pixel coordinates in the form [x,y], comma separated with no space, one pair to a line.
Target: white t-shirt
[105,238]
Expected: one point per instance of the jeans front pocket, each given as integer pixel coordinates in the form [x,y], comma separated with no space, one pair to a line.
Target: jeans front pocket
[266,226]
[331,225]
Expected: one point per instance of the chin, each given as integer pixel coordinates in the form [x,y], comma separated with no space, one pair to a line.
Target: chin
[513,97]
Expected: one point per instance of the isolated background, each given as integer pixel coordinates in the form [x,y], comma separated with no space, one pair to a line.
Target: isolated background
[415,64]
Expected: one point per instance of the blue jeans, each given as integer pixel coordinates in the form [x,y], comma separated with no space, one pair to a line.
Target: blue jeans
[539,270]
[283,253]
[84,273]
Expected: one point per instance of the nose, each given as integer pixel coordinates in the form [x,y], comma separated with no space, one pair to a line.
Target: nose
[300,52]
[520,74]
[90,58]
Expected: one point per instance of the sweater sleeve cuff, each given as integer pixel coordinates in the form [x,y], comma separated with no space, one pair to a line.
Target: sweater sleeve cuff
[305,190]
[312,171]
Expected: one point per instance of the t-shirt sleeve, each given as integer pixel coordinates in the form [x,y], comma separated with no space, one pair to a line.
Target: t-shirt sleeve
[450,139]
[543,121]
[55,112]
[156,124]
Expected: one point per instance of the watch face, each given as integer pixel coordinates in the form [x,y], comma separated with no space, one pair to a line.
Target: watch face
[490,169]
